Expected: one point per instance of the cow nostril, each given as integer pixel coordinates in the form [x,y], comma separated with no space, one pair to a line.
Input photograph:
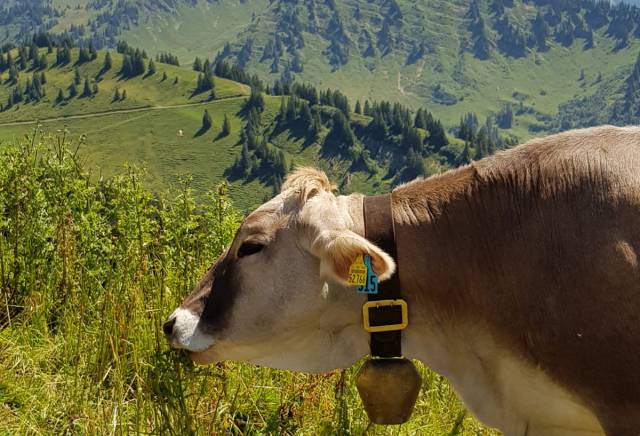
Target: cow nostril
[167,328]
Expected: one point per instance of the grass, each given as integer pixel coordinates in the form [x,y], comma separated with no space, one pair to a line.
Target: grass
[142,91]
[546,79]
[151,139]
[90,268]
[149,136]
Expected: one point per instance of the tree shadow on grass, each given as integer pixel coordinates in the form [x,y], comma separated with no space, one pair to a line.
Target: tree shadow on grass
[201,131]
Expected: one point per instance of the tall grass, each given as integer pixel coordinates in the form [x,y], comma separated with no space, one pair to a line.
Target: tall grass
[89,269]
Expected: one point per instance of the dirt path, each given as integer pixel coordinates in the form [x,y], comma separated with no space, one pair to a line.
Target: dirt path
[115,112]
[400,88]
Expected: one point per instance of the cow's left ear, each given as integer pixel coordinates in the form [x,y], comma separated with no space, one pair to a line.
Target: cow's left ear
[338,249]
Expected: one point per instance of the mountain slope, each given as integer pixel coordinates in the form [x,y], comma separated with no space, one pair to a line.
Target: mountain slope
[184,123]
[454,56]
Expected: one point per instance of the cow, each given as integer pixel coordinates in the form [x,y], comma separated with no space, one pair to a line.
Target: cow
[520,272]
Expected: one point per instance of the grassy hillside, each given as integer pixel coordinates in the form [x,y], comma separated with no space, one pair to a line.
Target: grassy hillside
[158,126]
[420,53]
[142,91]
[88,272]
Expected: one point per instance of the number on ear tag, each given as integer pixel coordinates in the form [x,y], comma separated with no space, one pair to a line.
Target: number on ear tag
[358,272]
[371,285]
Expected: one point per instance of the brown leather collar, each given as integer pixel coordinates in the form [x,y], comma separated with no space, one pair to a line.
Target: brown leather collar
[379,229]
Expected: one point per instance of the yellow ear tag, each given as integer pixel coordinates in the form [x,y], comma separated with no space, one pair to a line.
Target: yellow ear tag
[357,272]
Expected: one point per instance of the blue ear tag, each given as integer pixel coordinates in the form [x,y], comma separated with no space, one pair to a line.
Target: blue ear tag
[371,286]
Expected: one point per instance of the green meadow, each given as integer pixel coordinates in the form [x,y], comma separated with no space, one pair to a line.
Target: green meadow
[90,267]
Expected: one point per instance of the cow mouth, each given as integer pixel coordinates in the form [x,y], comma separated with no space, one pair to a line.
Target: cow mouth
[203,357]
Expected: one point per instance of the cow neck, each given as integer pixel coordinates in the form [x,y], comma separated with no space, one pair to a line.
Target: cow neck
[379,229]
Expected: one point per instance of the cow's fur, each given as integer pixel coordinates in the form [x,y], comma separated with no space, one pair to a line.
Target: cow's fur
[520,271]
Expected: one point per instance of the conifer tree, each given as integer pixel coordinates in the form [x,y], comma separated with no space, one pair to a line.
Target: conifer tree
[244,164]
[42,62]
[367,108]
[14,75]
[341,131]
[197,64]
[292,113]
[465,157]
[76,76]
[86,92]
[358,108]
[305,115]
[60,97]
[108,62]
[206,120]
[226,126]
[316,126]
[151,70]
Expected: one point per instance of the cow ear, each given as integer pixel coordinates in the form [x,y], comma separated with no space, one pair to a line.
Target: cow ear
[338,249]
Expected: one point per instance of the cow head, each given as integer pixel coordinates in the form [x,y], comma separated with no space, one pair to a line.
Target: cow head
[278,296]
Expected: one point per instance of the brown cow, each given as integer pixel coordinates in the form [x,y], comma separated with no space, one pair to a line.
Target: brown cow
[520,271]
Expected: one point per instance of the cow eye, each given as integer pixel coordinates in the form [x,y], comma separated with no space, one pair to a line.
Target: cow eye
[249,248]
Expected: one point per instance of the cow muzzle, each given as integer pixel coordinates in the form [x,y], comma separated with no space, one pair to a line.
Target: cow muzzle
[182,330]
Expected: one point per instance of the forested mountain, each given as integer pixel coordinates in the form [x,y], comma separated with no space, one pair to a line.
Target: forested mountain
[215,121]
[517,60]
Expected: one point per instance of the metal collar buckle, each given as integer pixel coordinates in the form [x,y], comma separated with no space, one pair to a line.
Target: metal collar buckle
[366,308]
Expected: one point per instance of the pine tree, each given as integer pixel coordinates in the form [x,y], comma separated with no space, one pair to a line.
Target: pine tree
[73,90]
[358,108]
[151,70]
[291,114]
[60,97]
[505,117]
[197,64]
[244,164]
[226,126]
[367,108]
[127,66]
[76,76]
[84,55]
[540,30]
[306,118]
[316,125]
[86,91]
[206,121]
[42,62]
[256,100]
[164,76]
[341,131]
[465,157]
[482,45]
[14,75]
[116,95]
[108,62]
[124,94]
